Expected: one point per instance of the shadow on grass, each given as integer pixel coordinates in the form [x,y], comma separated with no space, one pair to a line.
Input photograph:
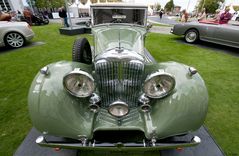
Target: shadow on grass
[212,46]
[28,44]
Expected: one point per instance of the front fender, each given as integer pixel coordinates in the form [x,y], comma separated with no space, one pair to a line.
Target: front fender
[53,110]
[182,111]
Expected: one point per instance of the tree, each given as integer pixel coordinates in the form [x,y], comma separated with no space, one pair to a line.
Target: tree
[169,6]
[157,6]
[49,3]
[210,5]
[236,8]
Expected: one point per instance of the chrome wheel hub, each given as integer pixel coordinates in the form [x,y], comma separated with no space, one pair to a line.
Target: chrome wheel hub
[191,37]
[15,40]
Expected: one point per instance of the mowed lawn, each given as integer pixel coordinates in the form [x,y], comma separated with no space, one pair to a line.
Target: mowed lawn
[18,68]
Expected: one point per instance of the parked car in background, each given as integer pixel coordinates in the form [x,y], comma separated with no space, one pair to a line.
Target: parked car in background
[37,19]
[210,31]
[115,96]
[15,34]
[235,16]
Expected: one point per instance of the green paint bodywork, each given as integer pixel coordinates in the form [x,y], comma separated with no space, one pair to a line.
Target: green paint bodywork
[54,111]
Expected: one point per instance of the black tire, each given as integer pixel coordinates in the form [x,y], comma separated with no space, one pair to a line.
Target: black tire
[14,40]
[191,36]
[81,51]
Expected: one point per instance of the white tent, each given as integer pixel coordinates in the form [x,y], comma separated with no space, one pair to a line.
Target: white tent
[150,11]
[88,4]
[74,10]
[84,8]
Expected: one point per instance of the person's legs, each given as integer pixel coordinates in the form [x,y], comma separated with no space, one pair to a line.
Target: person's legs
[62,22]
[65,21]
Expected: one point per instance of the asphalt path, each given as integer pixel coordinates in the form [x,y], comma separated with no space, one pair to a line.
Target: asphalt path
[168,20]
[212,46]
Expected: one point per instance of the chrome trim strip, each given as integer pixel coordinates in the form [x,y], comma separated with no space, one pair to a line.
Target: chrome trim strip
[114,146]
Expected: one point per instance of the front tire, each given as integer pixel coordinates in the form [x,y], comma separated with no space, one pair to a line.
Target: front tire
[191,36]
[81,51]
[14,40]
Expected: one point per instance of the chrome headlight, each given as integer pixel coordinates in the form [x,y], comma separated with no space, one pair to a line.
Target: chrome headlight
[79,83]
[159,84]
[118,109]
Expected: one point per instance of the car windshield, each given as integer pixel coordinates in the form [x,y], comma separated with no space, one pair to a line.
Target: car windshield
[114,15]
[121,37]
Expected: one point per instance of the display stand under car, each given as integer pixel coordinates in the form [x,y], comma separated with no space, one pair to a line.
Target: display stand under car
[114,97]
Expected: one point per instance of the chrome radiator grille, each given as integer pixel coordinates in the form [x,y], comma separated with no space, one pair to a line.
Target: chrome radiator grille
[118,80]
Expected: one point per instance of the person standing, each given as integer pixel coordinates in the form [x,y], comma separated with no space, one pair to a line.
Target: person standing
[184,17]
[160,14]
[216,17]
[225,17]
[63,15]
[203,15]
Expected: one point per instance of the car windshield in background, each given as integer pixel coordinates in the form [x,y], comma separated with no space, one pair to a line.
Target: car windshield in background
[132,16]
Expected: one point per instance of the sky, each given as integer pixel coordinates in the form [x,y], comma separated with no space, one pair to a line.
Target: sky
[185,4]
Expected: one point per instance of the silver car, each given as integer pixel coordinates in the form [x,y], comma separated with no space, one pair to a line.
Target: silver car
[225,34]
[14,34]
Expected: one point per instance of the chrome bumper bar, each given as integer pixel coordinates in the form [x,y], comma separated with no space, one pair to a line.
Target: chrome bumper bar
[118,146]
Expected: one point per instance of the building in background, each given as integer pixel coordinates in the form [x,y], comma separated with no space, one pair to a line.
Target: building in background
[11,5]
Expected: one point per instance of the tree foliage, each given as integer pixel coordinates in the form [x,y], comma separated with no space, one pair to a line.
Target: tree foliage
[49,3]
[157,6]
[59,3]
[236,8]
[210,5]
[169,6]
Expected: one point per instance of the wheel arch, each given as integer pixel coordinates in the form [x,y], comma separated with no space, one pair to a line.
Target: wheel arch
[13,31]
[192,28]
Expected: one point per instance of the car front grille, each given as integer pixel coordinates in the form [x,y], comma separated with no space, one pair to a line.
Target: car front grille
[119,80]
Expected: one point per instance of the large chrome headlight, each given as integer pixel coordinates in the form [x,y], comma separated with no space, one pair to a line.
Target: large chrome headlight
[159,84]
[79,83]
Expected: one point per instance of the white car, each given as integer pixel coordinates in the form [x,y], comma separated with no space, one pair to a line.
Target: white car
[15,34]
[235,16]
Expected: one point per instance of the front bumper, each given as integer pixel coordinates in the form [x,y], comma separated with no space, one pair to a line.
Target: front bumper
[29,36]
[144,146]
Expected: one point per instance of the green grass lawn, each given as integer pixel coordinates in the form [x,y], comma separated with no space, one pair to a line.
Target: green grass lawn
[18,68]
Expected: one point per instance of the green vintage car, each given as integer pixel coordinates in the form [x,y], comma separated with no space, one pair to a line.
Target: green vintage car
[115,96]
